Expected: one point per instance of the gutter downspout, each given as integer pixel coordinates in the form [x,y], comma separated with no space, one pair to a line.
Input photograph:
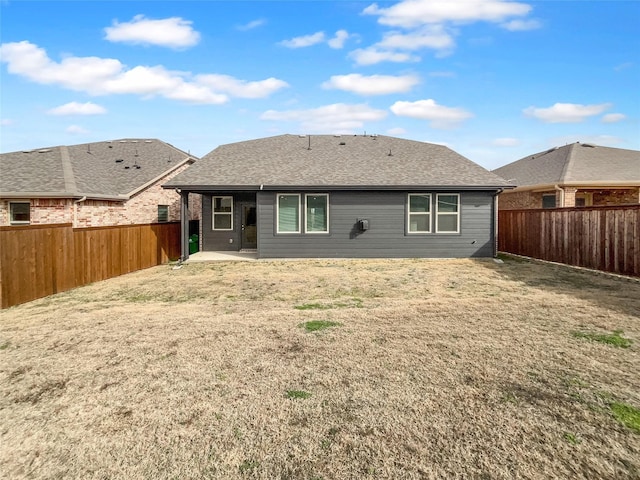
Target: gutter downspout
[495,222]
[184,226]
[561,195]
[75,210]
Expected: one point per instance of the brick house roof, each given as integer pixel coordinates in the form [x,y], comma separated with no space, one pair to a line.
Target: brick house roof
[347,161]
[115,169]
[575,164]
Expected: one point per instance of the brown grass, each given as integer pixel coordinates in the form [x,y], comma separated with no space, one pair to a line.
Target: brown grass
[433,369]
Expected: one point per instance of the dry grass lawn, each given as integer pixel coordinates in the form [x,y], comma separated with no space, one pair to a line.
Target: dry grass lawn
[431,369]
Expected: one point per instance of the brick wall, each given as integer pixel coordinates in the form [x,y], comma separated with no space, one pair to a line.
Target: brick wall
[522,200]
[616,197]
[142,208]
[529,199]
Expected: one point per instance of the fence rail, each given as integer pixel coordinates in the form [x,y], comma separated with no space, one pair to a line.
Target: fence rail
[39,260]
[602,238]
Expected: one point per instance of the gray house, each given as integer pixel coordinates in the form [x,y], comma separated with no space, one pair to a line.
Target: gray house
[342,196]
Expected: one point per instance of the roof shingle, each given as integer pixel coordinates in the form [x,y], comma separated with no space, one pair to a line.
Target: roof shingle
[575,163]
[334,161]
[108,169]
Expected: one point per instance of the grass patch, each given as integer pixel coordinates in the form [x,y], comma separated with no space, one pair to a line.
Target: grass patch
[312,306]
[296,394]
[317,325]
[571,438]
[615,338]
[352,303]
[628,415]
[248,466]
[5,345]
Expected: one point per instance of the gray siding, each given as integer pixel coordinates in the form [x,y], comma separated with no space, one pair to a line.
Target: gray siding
[386,236]
[222,240]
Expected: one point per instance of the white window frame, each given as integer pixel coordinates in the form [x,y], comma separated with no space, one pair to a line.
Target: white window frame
[306,213]
[19,222]
[277,206]
[438,213]
[427,214]
[214,213]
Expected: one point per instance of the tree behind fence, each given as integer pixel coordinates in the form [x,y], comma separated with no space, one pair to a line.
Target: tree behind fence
[602,238]
[40,260]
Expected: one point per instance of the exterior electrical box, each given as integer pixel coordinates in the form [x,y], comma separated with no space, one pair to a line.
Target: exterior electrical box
[363,224]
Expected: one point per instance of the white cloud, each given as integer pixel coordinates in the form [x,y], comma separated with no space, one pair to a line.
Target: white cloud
[433,24]
[371,56]
[104,76]
[396,131]
[413,13]
[76,130]
[171,32]
[439,116]
[337,42]
[613,117]
[432,36]
[304,41]
[566,112]
[75,108]
[335,118]
[371,85]
[82,74]
[241,88]
[5,122]
[251,25]
[521,25]
[505,142]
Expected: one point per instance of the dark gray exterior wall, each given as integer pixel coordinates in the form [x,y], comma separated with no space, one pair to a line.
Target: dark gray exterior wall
[223,240]
[387,235]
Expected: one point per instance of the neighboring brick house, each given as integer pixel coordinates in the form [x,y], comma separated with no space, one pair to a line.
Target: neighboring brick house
[576,175]
[107,183]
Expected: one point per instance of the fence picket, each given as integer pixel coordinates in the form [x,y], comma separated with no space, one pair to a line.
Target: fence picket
[602,238]
[38,260]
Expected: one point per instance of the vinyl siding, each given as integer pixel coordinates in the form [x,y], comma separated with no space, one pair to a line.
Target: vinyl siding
[386,237]
[223,240]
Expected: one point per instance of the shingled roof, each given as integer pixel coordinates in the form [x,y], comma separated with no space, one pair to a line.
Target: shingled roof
[114,170]
[321,161]
[575,164]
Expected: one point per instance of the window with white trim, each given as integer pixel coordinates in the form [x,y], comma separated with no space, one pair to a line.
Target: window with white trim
[447,213]
[419,215]
[19,213]
[288,213]
[317,213]
[222,208]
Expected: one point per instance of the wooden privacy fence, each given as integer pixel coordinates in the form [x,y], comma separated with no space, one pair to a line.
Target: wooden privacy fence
[39,260]
[602,238]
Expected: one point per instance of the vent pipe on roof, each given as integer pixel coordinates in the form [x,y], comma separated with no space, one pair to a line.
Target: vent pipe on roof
[309,147]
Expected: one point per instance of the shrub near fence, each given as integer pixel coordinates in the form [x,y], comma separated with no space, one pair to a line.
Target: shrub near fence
[40,260]
[602,238]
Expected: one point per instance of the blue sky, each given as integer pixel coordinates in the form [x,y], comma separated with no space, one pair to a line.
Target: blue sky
[494,80]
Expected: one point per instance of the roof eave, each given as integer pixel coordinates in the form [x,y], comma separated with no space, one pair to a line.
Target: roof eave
[61,195]
[591,184]
[234,188]
[157,178]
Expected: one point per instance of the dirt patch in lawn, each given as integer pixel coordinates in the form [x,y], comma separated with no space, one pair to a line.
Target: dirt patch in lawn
[421,369]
